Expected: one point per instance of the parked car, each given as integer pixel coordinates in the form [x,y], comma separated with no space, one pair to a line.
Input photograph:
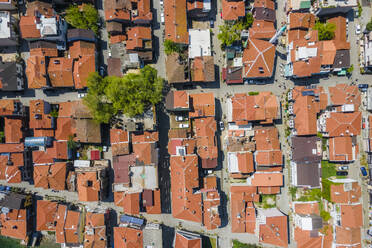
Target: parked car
[222,126]
[162,18]
[363,87]
[211,24]
[81,95]
[180,118]
[342,168]
[290,109]
[183,125]
[161,3]
[364,171]
[357,29]
[291,123]
[342,173]
[102,71]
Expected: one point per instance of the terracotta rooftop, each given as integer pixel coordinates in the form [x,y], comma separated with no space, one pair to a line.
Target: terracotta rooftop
[156,206]
[145,137]
[143,11]
[176,21]
[244,163]
[66,128]
[351,216]
[7,107]
[342,149]
[117,14]
[183,240]
[38,8]
[203,105]
[266,179]
[262,30]
[344,124]
[95,231]
[345,193]
[298,20]
[28,27]
[258,59]
[45,213]
[11,173]
[88,186]
[306,207]
[177,100]
[348,236]
[344,94]
[126,237]
[184,178]
[263,107]
[137,36]
[232,10]
[51,176]
[14,224]
[60,72]
[269,4]
[119,140]
[13,130]
[188,144]
[130,202]
[40,114]
[36,72]
[275,230]
[202,69]
[207,151]
[44,51]
[82,69]
[268,147]
[146,153]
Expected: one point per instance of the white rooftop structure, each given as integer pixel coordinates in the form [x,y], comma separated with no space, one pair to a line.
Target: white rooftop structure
[144,177]
[369,99]
[5,24]
[200,43]
[232,162]
[82,163]
[47,26]
[304,53]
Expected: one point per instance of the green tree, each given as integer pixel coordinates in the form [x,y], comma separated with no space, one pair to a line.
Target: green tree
[228,35]
[326,31]
[87,18]
[172,47]
[369,25]
[237,244]
[248,20]
[350,69]
[130,95]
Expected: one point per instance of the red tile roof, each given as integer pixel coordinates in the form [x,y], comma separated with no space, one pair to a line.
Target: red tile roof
[51,176]
[145,137]
[258,59]
[352,216]
[203,105]
[79,49]
[11,173]
[125,237]
[82,69]
[345,94]
[66,128]
[119,142]
[60,72]
[7,107]
[13,130]
[275,229]
[88,186]
[44,51]
[119,14]
[268,4]
[344,124]
[95,231]
[39,118]
[211,203]
[143,11]
[345,193]
[156,207]
[186,241]
[14,224]
[28,27]
[36,72]
[341,149]
[45,213]
[145,153]
[232,10]
[348,236]
[130,202]
[188,144]
[266,179]
[137,36]
[263,107]
[176,21]
[301,20]
[262,30]
[184,178]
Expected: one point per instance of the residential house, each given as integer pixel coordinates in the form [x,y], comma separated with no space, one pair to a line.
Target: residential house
[267,182]
[46,212]
[345,191]
[51,176]
[308,103]
[233,10]
[95,233]
[305,163]
[211,203]
[128,237]
[205,133]
[273,227]
[187,239]
[298,5]
[16,222]
[243,213]
[342,124]
[177,69]
[186,204]
[262,108]
[262,30]
[202,105]
[258,59]
[11,76]
[202,69]
[92,182]
[240,164]
[68,223]
[268,153]
[344,95]
[343,149]
[175,15]
[178,100]
[264,10]
[8,34]
[233,75]
[77,34]
[198,9]
[119,140]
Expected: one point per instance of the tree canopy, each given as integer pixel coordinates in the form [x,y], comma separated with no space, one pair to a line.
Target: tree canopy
[86,18]
[172,47]
[229,33]
[130,95]
[326,31]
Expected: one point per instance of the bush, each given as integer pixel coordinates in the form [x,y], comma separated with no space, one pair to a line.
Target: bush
[253,93]
[237,244]
[87,18]
[326,189]
[328,169]
[326,31]
[350,69]
[131,95]
[171,47]
[325,215]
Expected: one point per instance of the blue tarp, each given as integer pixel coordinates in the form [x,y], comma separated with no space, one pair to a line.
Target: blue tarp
[132,220]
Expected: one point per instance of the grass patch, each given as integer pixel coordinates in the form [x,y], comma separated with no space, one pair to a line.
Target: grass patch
[9,242]
[237,244]
[293,192]
[253,93]
[268,201]
[328,169]
[311,195]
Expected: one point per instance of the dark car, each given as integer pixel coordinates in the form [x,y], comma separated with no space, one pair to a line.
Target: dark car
[342,173]
[211,24]
[363,87]
[364,171]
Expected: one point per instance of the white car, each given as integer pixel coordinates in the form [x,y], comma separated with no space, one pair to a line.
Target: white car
[161,3]
[342,168]
[162,18]
[81,95]
[357,29]
[180,118]
[291,123]
[183,125]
